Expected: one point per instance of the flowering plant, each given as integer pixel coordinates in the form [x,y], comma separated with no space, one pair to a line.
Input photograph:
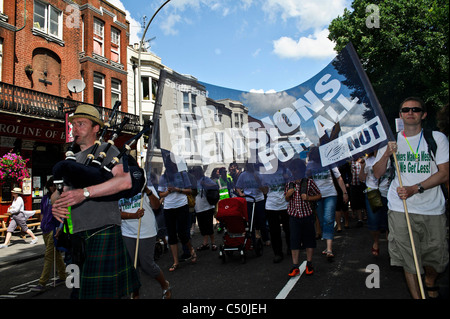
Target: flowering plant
[13,167]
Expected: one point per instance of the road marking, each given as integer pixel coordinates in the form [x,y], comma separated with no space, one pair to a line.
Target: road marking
[291,283]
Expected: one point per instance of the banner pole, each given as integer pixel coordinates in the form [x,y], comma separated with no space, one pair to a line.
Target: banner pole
[138,233]
[416,263]
[140,121]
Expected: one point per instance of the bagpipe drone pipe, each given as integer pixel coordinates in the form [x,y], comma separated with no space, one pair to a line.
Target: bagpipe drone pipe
[92,172]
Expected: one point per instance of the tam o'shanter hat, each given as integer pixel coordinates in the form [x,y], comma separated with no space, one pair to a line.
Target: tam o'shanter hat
[17,190]
[88,112]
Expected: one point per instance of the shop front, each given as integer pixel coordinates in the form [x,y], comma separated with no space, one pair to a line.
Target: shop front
[39,141]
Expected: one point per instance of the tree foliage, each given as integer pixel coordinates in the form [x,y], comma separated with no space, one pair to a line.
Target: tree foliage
[405,55]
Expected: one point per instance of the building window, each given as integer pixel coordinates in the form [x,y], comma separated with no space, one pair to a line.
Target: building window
[219,146]
[186,102]
[116,91]
[99,28]
[194,103]
[47,19]
[115,45]
[154,88]
[99,89]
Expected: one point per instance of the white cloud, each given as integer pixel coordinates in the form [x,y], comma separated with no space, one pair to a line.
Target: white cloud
[256,53]
[261,103]
[316,46]
[261,91]
[308,14]
[168,25]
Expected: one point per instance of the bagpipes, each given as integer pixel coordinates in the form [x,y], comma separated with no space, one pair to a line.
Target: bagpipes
[79,175]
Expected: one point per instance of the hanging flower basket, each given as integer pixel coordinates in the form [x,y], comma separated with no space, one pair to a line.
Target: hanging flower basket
[13,168]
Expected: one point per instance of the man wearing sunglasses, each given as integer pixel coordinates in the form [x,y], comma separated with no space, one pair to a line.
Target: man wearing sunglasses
[421,174]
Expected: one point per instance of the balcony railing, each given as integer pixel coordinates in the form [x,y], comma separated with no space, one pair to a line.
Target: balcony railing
[15,99]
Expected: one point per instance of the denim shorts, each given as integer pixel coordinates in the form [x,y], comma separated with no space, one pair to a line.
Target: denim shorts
[377,220]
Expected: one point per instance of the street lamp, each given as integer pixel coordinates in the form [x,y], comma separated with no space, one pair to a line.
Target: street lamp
[141,43]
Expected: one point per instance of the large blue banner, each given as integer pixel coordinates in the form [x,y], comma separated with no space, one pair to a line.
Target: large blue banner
[335,111]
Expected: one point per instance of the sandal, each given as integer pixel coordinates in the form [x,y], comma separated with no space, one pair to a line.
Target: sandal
[375,252]
[433,289]
[173,267]
[213,247]
[167,293]
[203,247]
[330,256]
[193,256]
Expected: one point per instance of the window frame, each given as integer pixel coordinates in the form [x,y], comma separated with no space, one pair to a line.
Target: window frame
[115,47]
[46,28]
[99,38]
[99,86]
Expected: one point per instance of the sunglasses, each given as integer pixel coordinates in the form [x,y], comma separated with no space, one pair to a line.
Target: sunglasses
[414,109]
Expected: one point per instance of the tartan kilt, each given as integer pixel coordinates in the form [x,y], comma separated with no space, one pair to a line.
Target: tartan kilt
[107,272]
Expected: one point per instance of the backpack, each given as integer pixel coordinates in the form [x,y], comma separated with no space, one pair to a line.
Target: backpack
[212,193]
[432,147]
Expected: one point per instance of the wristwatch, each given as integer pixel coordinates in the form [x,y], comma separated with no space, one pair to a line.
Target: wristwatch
[420,188]
[86,193]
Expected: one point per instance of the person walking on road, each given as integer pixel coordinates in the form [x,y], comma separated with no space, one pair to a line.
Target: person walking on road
[131,212]
[204,210]
[276,209]
[326,206]
[18,218]
[174,187]
[52,256]
[107,271]
[424,198]
[300,193]
[377,220]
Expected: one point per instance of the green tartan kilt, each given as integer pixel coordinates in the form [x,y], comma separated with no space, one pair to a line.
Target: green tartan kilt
[107,272]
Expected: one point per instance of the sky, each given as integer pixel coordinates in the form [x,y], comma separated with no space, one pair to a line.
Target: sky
[249,45]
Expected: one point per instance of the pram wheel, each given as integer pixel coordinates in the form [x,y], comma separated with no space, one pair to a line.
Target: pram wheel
[243,257]
[222,254]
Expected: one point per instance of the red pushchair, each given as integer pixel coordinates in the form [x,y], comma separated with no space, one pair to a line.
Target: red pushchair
[238,234]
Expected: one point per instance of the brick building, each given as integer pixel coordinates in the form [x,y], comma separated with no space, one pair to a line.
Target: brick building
[43,46]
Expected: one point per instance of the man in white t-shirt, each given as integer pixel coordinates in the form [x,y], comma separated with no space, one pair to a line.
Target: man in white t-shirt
[421,176]
[131,212]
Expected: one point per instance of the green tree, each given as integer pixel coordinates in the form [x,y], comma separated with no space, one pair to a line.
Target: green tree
[406,54]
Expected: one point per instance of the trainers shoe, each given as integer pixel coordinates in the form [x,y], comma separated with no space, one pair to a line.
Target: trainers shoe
[38,288]
[34,241]
[294,272]
[309,270]
[3,246]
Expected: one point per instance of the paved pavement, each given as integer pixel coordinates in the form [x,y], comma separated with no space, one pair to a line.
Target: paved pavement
[20,250]
[343,279]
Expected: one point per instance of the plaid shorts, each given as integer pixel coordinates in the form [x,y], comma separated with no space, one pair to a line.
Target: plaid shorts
[107,272]
[429,234]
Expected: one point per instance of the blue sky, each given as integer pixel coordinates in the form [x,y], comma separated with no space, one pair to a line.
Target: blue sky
[262,45]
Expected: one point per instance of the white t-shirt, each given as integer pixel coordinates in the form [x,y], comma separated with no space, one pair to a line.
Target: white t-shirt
[323,179]
[149,227]
[201,203]
[175,199]
[17,206]
[276,182]
[372,182]
[248,183]
[432,201]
